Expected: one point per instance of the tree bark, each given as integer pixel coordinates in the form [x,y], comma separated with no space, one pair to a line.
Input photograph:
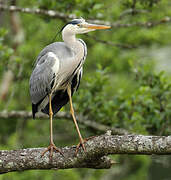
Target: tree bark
[97,149]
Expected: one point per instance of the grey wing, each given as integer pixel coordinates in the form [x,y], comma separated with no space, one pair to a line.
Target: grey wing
[43,76]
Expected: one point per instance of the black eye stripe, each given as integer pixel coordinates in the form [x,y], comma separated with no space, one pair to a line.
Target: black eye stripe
[73,22]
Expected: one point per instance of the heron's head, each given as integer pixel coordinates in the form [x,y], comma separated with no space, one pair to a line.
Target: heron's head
[80,26]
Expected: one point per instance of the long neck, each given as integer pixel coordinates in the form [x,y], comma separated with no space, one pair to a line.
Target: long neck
[79,49]
[72,42]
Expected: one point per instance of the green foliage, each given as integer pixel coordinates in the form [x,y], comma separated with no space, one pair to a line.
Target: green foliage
[96,93]
[145,109]
[5,51]
[120,86]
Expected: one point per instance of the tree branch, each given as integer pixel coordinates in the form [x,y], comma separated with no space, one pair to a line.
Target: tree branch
[64,115]
[56,14]
[97,149]
[49,13]
[132,11]
[125,46]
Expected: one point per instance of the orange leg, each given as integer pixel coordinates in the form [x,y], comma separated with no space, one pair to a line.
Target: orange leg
[52,146]
[81,143]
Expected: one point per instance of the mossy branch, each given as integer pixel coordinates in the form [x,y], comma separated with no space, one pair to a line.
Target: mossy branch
[97,150]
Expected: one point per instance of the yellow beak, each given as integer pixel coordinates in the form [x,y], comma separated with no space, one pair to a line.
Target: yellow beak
[95,26]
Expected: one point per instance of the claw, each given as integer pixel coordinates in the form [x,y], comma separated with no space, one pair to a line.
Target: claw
[81,144]
[52,148]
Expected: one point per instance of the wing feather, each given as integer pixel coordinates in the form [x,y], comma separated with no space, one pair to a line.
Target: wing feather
[43,75]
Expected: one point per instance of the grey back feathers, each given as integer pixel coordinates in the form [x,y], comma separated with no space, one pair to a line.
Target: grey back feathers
[58,48]
[41,78]
[53,70]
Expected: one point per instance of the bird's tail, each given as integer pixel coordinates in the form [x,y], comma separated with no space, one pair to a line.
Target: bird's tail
[58,101]
[34,110]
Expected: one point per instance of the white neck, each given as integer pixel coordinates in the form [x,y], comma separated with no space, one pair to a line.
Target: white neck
[72,42]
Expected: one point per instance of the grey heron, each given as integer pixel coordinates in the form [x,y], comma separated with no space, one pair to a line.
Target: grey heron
[57,74]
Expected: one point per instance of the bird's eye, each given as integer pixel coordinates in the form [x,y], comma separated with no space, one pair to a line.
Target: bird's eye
[79,25]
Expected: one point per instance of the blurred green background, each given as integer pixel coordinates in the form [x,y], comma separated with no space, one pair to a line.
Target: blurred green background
[126,81]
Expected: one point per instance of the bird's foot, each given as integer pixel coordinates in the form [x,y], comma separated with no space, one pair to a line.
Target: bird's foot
[81,144]
[51,148]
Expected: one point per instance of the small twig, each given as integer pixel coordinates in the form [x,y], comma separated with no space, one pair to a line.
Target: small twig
[57,14]
[125,46]
[132,11]
[63,115]
[49,13]
[148,24]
